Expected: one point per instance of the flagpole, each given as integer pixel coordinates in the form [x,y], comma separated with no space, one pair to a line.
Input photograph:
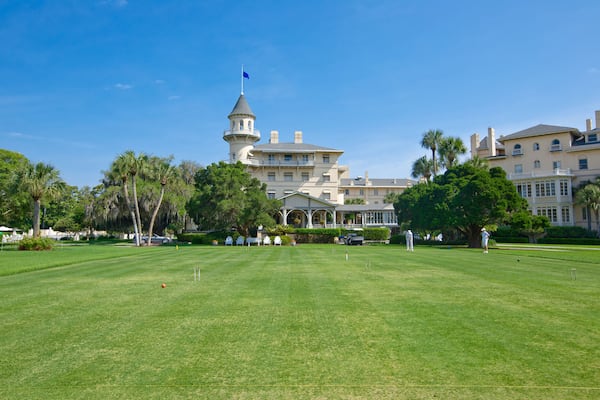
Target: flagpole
[242,78]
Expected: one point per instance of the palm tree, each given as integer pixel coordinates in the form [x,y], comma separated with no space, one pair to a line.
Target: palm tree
[478,162]
[42,182]
[431,140]
[422,167]
[120,169]
[589,197]
[163,172]
[137,165]
[450,148]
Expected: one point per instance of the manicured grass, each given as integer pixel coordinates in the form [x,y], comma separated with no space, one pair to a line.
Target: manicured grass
[86,322]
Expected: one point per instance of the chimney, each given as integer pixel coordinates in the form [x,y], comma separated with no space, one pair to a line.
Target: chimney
[491,138]
[588,124]
[367,181]
[474,144]
[597,119]
[298,137]
[274,137]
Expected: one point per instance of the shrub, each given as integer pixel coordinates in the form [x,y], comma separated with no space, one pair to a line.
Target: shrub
[568,232]
[376,233]
[36,244]
[318,235]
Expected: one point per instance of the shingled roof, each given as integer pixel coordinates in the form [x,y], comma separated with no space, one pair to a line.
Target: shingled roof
[539,130]
[242,108]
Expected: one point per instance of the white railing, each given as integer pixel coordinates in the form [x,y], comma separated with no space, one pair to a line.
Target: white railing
[540,174]
[255,133]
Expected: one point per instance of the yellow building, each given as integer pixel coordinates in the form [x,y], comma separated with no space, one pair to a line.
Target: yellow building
[546,163]
[307,178]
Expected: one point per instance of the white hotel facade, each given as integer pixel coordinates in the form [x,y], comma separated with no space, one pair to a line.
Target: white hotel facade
[308,179]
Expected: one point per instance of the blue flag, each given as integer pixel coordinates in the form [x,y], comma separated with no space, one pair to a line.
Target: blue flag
[245,74]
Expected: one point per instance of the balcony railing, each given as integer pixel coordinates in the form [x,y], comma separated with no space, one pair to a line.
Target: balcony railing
[556,147]
[280,163]
[540,174]
[255,133]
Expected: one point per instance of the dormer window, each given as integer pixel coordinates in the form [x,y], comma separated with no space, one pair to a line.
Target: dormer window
[555,145]
[517,150]
[592,137]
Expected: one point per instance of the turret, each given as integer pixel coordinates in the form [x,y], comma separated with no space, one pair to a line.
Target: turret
[241,135]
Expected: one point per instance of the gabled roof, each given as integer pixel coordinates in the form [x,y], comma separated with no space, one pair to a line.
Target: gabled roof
[310,199]
[539,130]
[241,108]
[484,144]
[292,148]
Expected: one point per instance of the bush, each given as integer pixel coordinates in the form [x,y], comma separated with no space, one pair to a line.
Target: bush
[584,241]
[569,232]
[376,233]
[36,244]
[318,235]
[203,238]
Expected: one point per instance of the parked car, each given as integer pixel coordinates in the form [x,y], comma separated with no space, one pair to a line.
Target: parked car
[354,239]
[156,239]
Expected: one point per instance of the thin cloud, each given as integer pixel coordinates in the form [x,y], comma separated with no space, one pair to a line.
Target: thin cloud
[593,70]
[123,86]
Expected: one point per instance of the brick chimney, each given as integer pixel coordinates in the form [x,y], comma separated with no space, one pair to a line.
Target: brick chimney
[474,144]
[491,139]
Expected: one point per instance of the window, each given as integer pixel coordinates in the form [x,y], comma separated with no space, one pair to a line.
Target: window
[536,146]
[545,189]
[524,189]
[326,178]
[325,158]
[549,212]
[555,164]
[304,158]
[287,157]
[288,176]
[271,195]
[536,164]
[517,151]
[583,164]
[241,124]
[565,214]
[592,137]
[305,177]
[347,192]
[326,196]
[271,158]
[555,145]
[564,187]
[362,192]
[375,192]
[250,125]
[518,168]
[271,176]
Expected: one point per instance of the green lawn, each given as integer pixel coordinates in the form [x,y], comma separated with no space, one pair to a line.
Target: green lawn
[92,322]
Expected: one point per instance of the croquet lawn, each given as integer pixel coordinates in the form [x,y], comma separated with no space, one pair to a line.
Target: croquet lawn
[304,322]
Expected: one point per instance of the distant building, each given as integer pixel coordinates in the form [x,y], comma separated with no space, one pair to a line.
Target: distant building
[308,178]
[546,162]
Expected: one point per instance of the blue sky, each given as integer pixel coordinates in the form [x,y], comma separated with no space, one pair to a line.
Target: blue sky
[83,81]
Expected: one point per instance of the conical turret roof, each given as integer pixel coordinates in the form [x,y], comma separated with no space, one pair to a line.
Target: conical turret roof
[241,108]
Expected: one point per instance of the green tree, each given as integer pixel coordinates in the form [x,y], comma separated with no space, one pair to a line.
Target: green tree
[589,197]
[465,198]
[431,140]
[227,196]
[534,226]
[14,203]
[354,201]
[422,167]
[162,172]
[42,182]
[450,148]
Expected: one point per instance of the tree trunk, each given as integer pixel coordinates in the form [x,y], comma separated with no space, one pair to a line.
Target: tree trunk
[137,207]
[133,219]
[36,217]
[154,214]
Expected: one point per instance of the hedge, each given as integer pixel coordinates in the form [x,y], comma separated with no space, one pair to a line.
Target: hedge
[36,244]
